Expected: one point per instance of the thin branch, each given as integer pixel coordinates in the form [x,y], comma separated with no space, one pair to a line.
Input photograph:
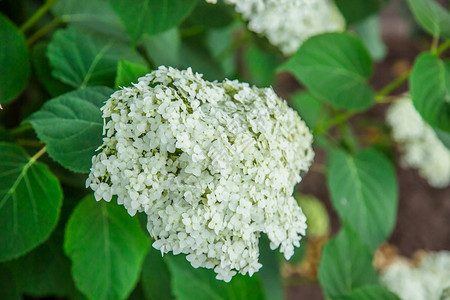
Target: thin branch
[37,15]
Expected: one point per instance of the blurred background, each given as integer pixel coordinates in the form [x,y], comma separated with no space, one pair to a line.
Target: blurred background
[423,221]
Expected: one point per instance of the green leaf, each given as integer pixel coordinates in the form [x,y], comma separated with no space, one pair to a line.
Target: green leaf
[8,287]
[364,192]
[189,283]
[137,293]
[71,125]
[220,43]
[211,15]
[430,90]
[334,67]
[370,33]
[261,65]
[107,248]
[371,292]
[163,48]
[443,136]
[30,200]
[44,73]
[270,274]
[81,59]
[45,271]
[128,72]
[14,61]
[194,54]
[345,265]
[357,10]
[155,279]
[151,16]
[5,135]
[93,15]
[308,107]
[433,17]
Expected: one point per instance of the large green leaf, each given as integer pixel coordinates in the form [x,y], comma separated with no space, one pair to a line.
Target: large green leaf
[270,274]
[30,200]
[13,61]
[210,15]
[151,16]
[5,135]
[369,30]
[44,73]
[8,287]
[71,125]
[128,72]
[430,90]
[93,15]
[334,67]
[261,65]
[357,10]
[189,283]
[364,192]
[163,48]
[308,107]
[81,59]
[443,136]
[432,16]
[45,271]
[155,279]
[371,292]
[220,43]
[346,265]
[194,54]
[107,248]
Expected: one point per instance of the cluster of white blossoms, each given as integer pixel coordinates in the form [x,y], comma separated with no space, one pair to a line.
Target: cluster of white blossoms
[212,164]
[288,23]
[430,280]
[419,144]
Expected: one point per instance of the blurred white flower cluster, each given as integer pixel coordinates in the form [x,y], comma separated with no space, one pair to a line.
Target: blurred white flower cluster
[430,280]
[288,23]
[419,144]
[212,164]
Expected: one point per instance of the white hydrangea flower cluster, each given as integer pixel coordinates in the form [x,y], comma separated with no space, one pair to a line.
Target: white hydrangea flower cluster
[288,23]
[430,280]
[212,164]
[420,146]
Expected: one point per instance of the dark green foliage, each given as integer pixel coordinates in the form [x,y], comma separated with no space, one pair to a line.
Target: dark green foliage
[15,67]
[30,199]
[335,67]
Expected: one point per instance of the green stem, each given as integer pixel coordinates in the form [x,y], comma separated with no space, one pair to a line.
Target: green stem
[392,86]
[443,47]
[37,15]
[21,128]
[191,31]
[346,140]
[338,119]
[388,99]
[434,44]
[43,30]
[29,143]
[38,154]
